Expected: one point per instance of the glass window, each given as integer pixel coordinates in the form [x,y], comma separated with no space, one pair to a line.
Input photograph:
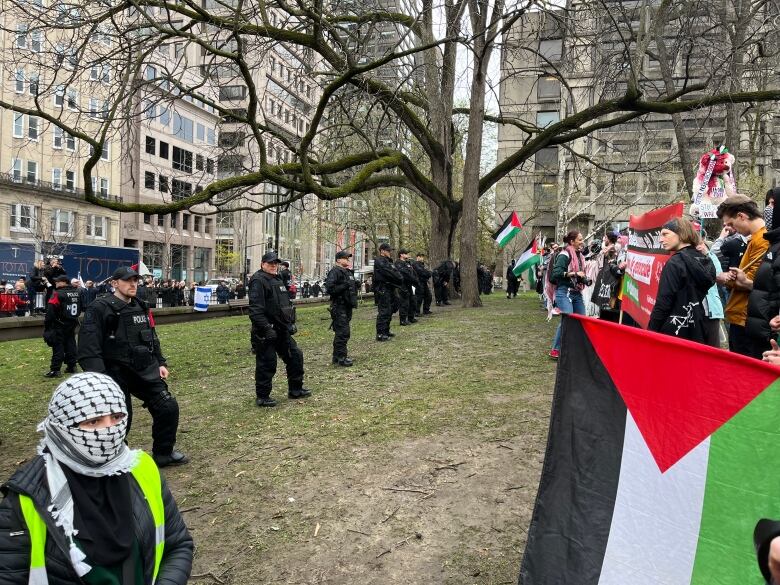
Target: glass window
[73,99]
[32,127]
[163,184]
[151,145]
[163,150]
[16,170]
[70,180]
[149,179]
[197,224]
[59,96]
[548,88]
[22,216]
[551,50]
[32,171]
[70,142]
[201,132]
[181,160]
[56,178]
[185,221]
[547,159]
[544,119]
[18,125]
[19,80]
[57,137]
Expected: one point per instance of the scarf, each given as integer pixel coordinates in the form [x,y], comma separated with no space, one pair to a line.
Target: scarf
[576,264]
[92,454]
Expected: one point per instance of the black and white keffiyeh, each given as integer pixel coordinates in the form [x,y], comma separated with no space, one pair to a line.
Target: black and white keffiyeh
[92,453]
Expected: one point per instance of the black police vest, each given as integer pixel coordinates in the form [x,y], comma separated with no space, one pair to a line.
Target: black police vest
[70,305]
[129,338]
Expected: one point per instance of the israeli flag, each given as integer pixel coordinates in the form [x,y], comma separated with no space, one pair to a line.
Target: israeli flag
[202,298]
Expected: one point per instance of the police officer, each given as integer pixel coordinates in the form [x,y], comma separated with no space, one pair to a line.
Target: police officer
[441,282]
[342,288]
[273,325]
[59,325]
[406,304]
[387,280]
[422,292]
[118,338]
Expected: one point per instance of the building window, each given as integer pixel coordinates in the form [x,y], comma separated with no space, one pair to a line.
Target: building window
[548,88]
[211,136]
[21,36]
[104,187]
[174,220]
[544,119]
[18,125]
[185,221]
[32,171]
[163,150]
[160,220]
[96,226]
[56,179]
[57,137]
[147,219]
[182,160]
[16,170]
[180,189]
[149,180]
[73,99]
[151,73]
[163,184]
[70,180]
[151,145]
[199,162]
[22,216]
[209,225]
[547,159]
[105,152]
[61,221]
[196,224]
[551,50]
[210,166]
[32,128]
[19,85]
[200,132]
[70,142]
[59,96]
[36,41]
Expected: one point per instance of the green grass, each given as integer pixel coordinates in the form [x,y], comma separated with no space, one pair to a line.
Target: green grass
[449,386]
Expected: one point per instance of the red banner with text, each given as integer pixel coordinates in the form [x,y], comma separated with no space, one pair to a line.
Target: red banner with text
[645,261]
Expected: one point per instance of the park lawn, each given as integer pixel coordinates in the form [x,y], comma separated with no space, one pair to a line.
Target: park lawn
[417,465]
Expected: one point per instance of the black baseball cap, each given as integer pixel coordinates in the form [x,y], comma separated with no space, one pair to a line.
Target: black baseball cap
[123,273]
[271,257]
[403,251]
[385,246]
[62,278]
[343,254]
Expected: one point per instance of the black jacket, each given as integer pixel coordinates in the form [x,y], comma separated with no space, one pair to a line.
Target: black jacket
[764,299]
[118,333]
[269,304]
[423,274]
[30,480]
[342,286]
[385,274]
[443,271]
[407,273]
[63,308]
[685,280]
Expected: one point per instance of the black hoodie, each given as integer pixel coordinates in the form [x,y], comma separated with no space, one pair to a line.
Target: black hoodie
[685,280]
[764,299]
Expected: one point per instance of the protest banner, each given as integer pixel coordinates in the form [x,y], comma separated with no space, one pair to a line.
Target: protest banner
[645,261]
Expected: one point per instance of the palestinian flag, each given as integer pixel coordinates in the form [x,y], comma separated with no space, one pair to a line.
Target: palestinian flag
[508,230]
[661,458]
[528,259]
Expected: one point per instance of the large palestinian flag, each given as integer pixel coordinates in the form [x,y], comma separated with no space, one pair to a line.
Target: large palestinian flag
[662,456]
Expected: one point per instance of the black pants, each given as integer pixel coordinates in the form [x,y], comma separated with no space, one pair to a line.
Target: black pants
[265,363]
[157,399]
[423,299]
[513,285]
[405,308]
[742,343]
[64,348]
[384,310]
[341,315]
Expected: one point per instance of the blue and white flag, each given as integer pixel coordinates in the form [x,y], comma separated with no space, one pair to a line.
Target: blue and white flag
[202,298]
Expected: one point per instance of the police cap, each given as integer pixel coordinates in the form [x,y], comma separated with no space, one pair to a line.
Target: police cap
[123,273]
[62,278]
[271,257]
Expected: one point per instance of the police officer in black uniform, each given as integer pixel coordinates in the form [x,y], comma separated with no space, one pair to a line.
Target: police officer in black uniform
[118,338]
[273,325]
[387,280]
[422,292]
[59,325]
[441,282]
[406,304]
[342,288]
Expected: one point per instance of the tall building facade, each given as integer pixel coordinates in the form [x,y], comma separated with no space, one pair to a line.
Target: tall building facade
[624,169]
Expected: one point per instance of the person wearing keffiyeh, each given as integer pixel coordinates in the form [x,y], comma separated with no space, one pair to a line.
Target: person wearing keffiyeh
[88,509]
[569,277]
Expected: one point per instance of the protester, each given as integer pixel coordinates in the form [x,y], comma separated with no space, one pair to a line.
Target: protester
[763,308]
[770,202]
[741,213]
[22,298]
[38,284]
[240,291]
[713,306]
[223,293]
[685,280]
[88,509]
[568,277]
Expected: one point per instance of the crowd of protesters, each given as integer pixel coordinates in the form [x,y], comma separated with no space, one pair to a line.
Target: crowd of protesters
[715,292]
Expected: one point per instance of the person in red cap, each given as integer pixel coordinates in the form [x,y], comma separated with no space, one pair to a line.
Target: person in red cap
[118,338]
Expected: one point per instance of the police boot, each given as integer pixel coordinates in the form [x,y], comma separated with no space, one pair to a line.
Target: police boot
[265,402]
[175,458]
[345,362]
[299,393]
[52,374]
[404,323]
[382,338]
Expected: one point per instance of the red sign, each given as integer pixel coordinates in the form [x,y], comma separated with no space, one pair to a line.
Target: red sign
[645,261]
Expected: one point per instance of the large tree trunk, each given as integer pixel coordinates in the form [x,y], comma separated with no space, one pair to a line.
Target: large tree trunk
[443,226]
